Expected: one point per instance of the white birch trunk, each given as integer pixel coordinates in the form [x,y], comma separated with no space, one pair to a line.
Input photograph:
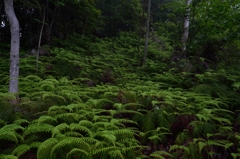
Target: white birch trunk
[15,42]
[186,28]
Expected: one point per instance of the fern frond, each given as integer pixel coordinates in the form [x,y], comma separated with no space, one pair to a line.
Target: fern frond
[7,97]
[9,136]
[73,134]
[35,144]
[54,97]
[76,107]
[106,136]
[116,154]
[44,149]
[64,81]
[201,145]
[2,156]
[181,147]
[128,142]
[3,123]
[225,129]
[60,129]
[78,152]
[47,119]
[55,110]
[107,125]
[37,128]
[235,155]
[148,121]
[208,114]
[128,112]
[21,150]
[86,123]
[75,98]
[99,103]
[127,132]
[136,148]
[133,106]
[78,127]
[103,151]
[182,137]
[101,118]
[70,95]
[70,117]
[120,122]
[110,95]
[67,144]
[32,138]
[33,78]
[221,143]
[38,95]
[160,154]
[47,85]
[11,127]
[91,140]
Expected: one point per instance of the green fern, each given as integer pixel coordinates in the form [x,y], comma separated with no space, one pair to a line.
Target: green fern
[181,148]
[22,149]
[11,127]
[103,151]
[160,154]
[46,119]
[157,135]
[78,152]
[86,123]
[79,128]
[208,114]
[236,155]
[44,149]
[2,156]
[53,98]
[39,128]
[67,144]
[70,117]
[60,129]
[33,78]
[9,136]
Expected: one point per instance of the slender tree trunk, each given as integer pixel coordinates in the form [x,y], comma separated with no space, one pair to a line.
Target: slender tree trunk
[40,39]
[186,28]
[50,18]
[140,30]
[147,32]
[15,44]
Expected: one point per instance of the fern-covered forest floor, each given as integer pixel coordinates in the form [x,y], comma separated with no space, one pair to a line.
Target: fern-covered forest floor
[92,99]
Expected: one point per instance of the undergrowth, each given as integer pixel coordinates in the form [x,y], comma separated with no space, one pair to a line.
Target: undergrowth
[95,101]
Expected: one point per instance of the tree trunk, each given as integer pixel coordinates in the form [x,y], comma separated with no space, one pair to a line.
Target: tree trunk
[15,42]
[186,28]
[50,16]
[147,33]
[40,38]
[140,31]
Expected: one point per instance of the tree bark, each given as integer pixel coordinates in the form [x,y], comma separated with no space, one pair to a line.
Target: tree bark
[15,44]
[40,38]
[147,33]
[186,28]
[140,31]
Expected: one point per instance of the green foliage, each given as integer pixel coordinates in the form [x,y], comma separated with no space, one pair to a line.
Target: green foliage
[2,156]
[92,100]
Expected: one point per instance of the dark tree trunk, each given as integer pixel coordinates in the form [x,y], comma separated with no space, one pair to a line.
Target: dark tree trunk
[15,42]
[147,33]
